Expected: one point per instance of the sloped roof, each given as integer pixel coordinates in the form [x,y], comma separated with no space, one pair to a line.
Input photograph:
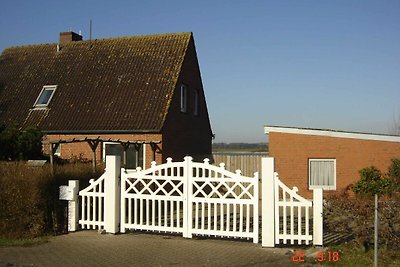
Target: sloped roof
[118,84]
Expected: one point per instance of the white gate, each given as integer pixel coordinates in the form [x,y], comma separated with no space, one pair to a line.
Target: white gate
[190,198]
[286,215]
[292,215]
[92,204]
[99,202]
[223,203]
[193,198]
[154,199]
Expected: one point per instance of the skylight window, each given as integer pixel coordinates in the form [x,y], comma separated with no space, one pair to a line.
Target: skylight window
[45,96]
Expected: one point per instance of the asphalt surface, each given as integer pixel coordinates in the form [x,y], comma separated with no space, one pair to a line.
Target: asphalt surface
[89,248]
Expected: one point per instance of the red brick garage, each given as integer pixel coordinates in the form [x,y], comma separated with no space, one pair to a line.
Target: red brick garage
[330,159]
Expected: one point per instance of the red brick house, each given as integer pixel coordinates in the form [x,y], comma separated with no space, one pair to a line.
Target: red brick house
[143,89]
[309,158]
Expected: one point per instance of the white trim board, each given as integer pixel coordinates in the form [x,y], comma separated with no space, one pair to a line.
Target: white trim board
[331,133]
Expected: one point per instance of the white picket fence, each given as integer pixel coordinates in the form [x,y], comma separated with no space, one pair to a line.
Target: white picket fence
[195,198]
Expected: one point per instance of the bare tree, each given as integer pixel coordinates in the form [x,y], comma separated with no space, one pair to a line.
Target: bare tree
[395,127]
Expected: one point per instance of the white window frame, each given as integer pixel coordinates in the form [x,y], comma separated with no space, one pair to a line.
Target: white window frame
[116,143]
[324,187]
[46,87]
[184,92]
[196,110]
[58,151]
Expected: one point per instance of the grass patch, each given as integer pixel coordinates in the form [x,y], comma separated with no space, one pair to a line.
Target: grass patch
[23,242]
[353,254]
[348,254]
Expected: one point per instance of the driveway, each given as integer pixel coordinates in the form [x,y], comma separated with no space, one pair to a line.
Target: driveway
[89,248]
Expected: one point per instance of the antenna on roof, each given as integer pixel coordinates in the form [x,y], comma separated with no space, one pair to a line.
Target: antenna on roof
[90,31]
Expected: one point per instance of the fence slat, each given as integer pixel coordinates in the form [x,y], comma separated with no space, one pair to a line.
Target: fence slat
[164,194]
[248,163]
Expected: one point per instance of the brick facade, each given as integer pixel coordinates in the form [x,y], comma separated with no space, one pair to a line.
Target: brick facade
[292,151]
[82,149]
[184,133]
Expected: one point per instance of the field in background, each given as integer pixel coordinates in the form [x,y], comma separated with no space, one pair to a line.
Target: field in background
[240,147]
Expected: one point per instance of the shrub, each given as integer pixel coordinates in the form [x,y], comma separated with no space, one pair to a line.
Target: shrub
[20,144]
[8,144]
[356,216]
[373,182]
[29,197]
[29,144]
[394,171]
[22,212]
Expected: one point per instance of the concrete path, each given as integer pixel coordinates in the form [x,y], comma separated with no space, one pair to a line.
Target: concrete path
[89,248]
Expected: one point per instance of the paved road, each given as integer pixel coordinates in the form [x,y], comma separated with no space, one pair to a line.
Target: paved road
[89,248]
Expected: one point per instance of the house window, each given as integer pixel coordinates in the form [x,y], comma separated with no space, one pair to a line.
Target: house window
[45,96]
[183,98]
[322,173]
[134,158]
[58,151]
[196,102]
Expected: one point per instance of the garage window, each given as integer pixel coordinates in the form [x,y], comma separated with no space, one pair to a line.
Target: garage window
[322,173]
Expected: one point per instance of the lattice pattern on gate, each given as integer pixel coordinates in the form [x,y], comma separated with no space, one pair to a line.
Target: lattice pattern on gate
[223,203]
[152,199]
[190,198]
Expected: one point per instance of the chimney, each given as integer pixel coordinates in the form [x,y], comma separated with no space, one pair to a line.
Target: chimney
[67,37]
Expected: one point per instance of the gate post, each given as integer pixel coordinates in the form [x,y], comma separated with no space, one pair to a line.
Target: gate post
[73,206]
[267,202]
[317,217]
[112,194]
[187,197]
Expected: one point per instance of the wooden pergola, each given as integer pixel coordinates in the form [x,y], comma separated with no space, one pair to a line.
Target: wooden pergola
[94,142]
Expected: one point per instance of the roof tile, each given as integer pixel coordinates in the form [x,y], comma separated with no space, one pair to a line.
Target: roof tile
[111,84]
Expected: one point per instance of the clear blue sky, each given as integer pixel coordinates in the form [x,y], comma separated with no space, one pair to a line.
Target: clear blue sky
[321,64]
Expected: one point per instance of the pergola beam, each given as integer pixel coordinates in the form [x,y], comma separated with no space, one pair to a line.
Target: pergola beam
[93,145]
[94,142]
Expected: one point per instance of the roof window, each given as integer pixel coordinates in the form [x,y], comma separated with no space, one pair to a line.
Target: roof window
[45,96]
